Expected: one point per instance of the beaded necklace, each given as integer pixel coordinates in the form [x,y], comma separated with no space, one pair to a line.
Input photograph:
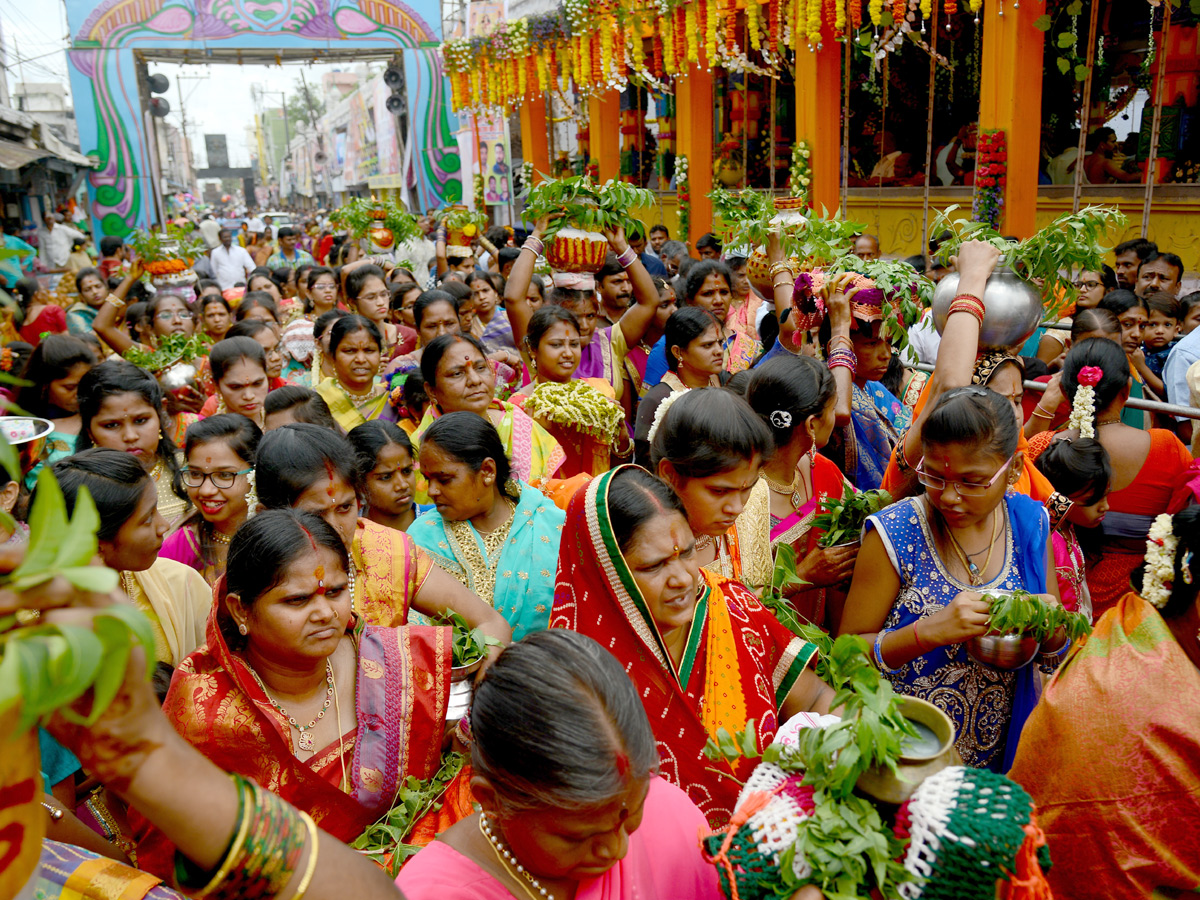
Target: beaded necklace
[305,742]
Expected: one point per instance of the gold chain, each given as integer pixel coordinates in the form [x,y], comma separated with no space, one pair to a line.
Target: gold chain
[975,575]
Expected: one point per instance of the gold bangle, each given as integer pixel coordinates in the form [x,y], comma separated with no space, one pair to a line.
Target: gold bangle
[311,866]
[114,300]
[780,267]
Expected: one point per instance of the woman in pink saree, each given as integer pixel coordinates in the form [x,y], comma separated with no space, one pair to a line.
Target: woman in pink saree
[572,805]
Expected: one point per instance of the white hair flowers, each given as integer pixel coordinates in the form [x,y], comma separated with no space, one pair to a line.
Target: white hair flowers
[1083,409]
[661,413]
[1160,562]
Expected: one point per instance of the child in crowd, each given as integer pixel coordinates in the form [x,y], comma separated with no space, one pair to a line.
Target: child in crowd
[1161,334]
[1189,310]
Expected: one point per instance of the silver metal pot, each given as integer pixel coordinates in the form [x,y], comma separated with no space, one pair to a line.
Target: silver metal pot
[178,376]
[1013,308]
[1003,651]
[462,690]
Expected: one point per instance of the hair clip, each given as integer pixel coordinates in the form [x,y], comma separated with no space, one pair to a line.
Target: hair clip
[781,418]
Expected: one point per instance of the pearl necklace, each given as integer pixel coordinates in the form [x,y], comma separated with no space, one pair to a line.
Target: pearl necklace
[355,395]
[306,741]
[221,538]
[509,862]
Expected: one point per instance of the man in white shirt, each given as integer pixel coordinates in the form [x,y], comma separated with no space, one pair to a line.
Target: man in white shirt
[57,241]
[211,230]
[255,224]
[230,263]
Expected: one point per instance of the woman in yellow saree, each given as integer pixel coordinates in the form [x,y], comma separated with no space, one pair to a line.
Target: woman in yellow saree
[355,393]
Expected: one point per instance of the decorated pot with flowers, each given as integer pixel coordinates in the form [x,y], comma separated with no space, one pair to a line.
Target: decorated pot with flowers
[576,250]
[462,227]
[579,210]
[173,361]
[167,256]
[789,212]
[382,223]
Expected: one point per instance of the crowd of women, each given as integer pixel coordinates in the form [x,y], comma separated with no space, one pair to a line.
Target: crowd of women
[593,476]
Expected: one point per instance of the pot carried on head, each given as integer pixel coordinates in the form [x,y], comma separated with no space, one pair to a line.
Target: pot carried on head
[789,213]
[1012,308]
[575,250]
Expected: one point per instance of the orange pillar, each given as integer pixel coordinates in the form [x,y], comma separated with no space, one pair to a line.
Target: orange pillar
[604,133]
[818,117]
[1011,101]
[535,142]
[694,127]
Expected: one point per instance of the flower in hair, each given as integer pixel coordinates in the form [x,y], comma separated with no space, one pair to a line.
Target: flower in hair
[781,418]
[1160,562]
[660,414]
[1090,375]
[1083,409]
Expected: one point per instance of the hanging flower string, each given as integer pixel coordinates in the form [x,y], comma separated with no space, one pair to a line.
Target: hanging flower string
[1083,408]
[991,175]
[800,174]
[1160,562]
[682,192]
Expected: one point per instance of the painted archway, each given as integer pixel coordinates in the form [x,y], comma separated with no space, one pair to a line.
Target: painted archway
[108,106]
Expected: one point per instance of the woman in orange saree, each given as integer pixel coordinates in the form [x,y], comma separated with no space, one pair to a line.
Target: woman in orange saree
[1110,753]
[281,634]
[703,653]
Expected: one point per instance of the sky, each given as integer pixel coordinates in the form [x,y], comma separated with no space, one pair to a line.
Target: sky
[217,99]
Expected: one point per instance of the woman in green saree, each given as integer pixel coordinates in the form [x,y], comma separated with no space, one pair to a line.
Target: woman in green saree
[355,393]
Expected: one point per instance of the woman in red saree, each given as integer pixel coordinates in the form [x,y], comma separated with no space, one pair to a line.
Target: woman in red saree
[703,653]
[281,634]
[796,398]
[1110,753]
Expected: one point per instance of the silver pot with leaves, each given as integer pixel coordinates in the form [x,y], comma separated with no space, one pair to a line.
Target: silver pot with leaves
[1013,308]
[469,650]
[178,377]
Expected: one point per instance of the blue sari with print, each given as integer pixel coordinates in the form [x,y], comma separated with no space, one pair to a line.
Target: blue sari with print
[988,706]
[518,580]
[878,418]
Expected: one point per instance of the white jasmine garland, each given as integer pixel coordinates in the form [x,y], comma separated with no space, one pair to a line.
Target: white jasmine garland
[661,413]
[1160,562]
[1083,411]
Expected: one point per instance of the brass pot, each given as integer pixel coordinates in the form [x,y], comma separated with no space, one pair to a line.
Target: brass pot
[575,250]
[921,757]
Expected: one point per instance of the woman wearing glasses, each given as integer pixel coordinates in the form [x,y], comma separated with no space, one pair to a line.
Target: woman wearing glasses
[927,561]
[169,314]
[219,478]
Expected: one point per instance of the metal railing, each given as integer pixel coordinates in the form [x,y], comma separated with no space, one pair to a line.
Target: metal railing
[1155,406]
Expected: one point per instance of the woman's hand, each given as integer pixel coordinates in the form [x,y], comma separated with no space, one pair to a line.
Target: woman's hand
[774,246]
[966,616]
[1053,398]
[616,239]
[837,300]
[827,566]
[186,399]
[975,262]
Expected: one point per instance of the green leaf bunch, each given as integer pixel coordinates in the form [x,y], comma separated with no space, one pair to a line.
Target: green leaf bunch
[1073,242]
[733,747]
[906,292]
[469,644]
[745,220]
[356,216]
[1020,612]
[46,668]
[842,518]
[171,349]
[175,242]
[414,799]
[459,218]
[578,201]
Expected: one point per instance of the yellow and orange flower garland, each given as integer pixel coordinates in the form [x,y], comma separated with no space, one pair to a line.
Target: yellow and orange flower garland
[594,47]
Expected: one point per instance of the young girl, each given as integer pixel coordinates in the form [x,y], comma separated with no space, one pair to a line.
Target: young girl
[1131,312]
[926,561]
[215,316]
[266,335]
[239,368]
[710,447]
[219,476]
[54,372]
[40,314]
[1081,472]
[121,408]
[386,478]
[486,290]
[367,294]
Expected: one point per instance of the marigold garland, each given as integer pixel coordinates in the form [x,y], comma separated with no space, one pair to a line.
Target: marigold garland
[839,17]
[855,14]
[773,11]
[800,173]
[876,10]
[692,32]
[951,9]
[814,23]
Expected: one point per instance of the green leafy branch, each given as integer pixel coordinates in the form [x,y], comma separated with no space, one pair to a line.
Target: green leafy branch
[44,669]
[460,218]
[1073,242]
[1020,612]
[469,644]
[579,201]
[171,349]
[360,215]
[842,518]
[746,220]
[385,840]
[176,242]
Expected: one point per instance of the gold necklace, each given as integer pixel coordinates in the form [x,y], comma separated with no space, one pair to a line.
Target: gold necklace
[127,583]
[974,575]
[353,396]
[221,538]
[305,742]
[785,490]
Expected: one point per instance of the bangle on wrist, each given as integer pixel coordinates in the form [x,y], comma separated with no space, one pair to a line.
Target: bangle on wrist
[846,343]
[879,654]
[843,358]
[1041,412]
[627,257]
[968,303]
[783,266]
[114,300]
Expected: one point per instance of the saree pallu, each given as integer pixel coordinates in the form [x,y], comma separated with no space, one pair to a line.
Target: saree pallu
[177,601]
[878,418]
[635,368]
[348,412]
[604,358]
[797,531]
[402,689]
[745,345]
[519,582]
[68,872]
[739,663]
[1110,756]
[389,571]
[498,334]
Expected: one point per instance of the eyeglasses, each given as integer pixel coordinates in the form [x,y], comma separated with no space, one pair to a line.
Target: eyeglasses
[378,295]
[166,316]
[964,489]
[1087,285]
[194,478]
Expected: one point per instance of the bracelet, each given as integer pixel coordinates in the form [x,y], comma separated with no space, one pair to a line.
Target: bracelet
[114,300]
[311,866]
[781,267]
[534,244]
[917,637]
[627,257]
[968,304]
[844,358]
[1042,413]
[848,344]
[879,654]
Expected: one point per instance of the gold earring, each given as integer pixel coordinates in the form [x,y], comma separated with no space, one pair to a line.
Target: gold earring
[1013,476]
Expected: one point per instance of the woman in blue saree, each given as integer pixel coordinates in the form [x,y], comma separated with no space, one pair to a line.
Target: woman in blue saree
[497,536]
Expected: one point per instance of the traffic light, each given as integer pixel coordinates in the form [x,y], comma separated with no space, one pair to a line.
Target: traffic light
[158,84]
